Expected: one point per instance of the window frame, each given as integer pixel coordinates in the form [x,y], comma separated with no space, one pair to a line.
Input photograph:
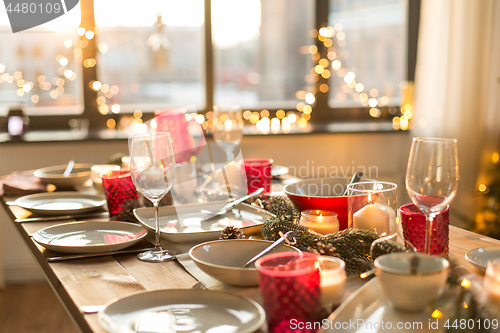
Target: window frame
[322,112]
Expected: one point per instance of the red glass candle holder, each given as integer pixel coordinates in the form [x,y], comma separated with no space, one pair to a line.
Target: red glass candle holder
[413,222]
[290,288]
[258,172]
[118,189]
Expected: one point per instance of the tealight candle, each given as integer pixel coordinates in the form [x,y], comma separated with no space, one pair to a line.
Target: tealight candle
[333,279]
[372,217]
[321,221]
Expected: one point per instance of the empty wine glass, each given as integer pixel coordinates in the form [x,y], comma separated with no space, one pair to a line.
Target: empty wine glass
[152,166]
[432,178]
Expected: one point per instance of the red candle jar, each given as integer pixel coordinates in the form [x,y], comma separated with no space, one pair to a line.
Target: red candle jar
[118,189]
[258,173]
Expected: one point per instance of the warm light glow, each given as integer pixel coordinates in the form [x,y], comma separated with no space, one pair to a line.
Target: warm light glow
[111,123]
[338,27]
[199,119]
[300,106]
[103,109]
[246,115]
[482,188]
[35,98]
[313,49]
[310,99]
[80,31]
[2,68]
[323,87]
[264,113]
[292,118]
[495,157]
[63,61]
[319,69]
[115,108]
[349,77]
[138,114]
[384,100]
[68,43]
[375,113]
[307,109]
[359,87]
[324,62]
[465,283]
[340,36]
[280,114]
[103,48]
[326,74]
[54,94]
[275,125]
[374,93]
[89,34]
[68,73]
[436,314]
[336,64]
[114,90]
[96,85]
[302,122]
[372,102]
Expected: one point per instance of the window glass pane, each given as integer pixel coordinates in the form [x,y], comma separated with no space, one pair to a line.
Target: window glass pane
[369,51]
[261,57]
[150,55]
[41,67]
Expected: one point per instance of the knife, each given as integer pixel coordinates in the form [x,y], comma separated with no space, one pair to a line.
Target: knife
[92,255]
[63,217]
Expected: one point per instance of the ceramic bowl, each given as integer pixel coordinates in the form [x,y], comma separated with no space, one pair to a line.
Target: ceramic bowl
[54,175]
[411,292]
[224,259]
[321,193]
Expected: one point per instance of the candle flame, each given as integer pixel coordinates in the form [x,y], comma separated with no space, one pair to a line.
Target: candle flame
[370,197]
[320,217]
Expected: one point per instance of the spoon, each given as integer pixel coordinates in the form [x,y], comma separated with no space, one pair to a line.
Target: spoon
[288,236]
[356,178]
[233,203]
[69,168]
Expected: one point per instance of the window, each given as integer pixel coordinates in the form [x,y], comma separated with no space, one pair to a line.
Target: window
[299,61]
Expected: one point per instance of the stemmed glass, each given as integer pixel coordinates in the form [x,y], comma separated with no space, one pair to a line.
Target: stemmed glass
[152,166]
[432,178]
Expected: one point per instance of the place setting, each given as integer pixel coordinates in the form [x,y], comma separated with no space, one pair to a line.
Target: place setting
[310,258]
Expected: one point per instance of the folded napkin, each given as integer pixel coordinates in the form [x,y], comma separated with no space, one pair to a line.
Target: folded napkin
[21,183]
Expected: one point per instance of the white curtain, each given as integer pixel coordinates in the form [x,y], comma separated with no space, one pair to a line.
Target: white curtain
[457,85]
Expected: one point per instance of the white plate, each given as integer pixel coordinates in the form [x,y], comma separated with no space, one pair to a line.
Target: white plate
[61,203]
[366,309]
[195,227]
[186,310]
[479,257]
[278,171]
[90,237]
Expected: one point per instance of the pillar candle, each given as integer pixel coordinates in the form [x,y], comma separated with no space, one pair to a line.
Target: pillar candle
[372,217]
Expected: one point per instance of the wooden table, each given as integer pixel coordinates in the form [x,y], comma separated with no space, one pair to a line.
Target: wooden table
[95,281]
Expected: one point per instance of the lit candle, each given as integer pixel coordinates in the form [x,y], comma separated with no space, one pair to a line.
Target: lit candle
[333,278]
[322,221]
[372,217]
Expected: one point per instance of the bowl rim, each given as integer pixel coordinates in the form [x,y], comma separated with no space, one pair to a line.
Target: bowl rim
[41,173]
[287,192]
[236,269]
[377,263]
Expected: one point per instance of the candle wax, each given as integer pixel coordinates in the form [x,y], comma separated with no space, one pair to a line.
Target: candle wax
[332,286]
[372,217]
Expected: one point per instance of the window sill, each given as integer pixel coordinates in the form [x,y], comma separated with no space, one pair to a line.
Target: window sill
[327,128]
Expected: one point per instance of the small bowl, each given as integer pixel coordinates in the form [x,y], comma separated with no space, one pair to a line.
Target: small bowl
[321,193]
[411,292]
[54,175]
[224,259]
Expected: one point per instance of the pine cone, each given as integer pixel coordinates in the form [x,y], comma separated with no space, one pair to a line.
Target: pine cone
[231,232]
[324,249]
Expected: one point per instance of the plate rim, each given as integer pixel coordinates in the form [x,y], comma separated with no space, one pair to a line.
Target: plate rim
[20,201]
[92,246]
[40,173]
[101,315]
[476,264]
[199,232]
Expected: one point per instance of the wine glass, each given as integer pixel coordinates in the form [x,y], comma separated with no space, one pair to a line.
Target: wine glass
[152,166]
[432,178]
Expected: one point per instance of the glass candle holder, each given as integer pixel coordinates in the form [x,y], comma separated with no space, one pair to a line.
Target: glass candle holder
[413,223]
[98,170]
[118,189]
[333,279]
[491,283]
[322,221]
[258,173]
[372,205]
[290,288]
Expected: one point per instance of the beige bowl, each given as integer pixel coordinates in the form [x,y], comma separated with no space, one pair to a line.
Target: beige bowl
[224,260]
[411,292]
[54,175]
